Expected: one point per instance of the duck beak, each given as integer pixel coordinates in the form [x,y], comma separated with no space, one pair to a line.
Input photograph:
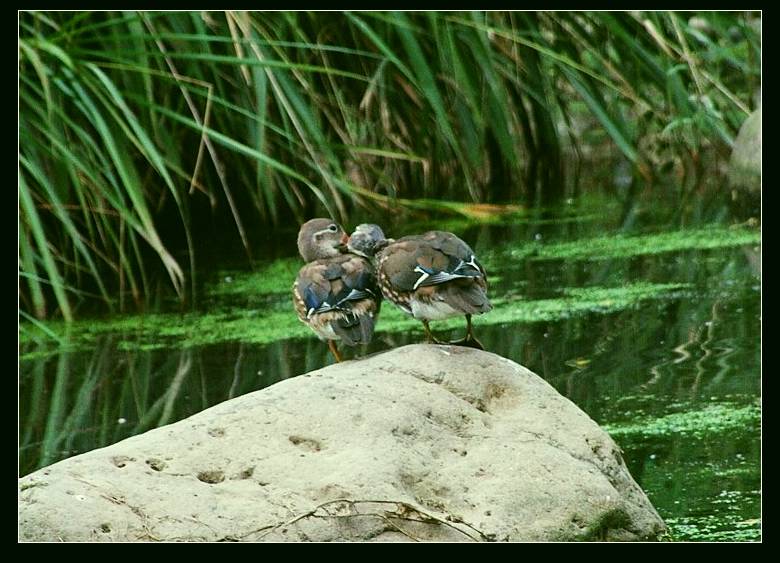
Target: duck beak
[342,245]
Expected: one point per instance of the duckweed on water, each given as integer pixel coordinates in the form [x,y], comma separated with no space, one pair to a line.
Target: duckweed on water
[253,326]
[128,345]
[611,247]
[275,278]
[711,528]
[259,311]
[713,419]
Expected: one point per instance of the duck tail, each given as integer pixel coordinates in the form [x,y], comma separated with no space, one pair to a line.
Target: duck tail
[471,299]
[354,329]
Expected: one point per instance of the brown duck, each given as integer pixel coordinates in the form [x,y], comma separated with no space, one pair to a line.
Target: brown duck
[335,293]
[432,276]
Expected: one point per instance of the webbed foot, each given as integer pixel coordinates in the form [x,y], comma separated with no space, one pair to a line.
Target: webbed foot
[468,341]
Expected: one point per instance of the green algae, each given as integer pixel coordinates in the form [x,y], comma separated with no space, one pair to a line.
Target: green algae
[278,321]
[615,518]
[735,472]
[129,346]
[274,278]
[618,246]
[700,467]
[713,419]
[252,306]
[714,529]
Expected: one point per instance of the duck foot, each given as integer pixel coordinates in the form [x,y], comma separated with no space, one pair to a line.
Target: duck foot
[468,341]
[334,350]
[429,337]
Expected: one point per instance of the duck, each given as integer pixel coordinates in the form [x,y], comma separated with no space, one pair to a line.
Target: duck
[432,276]
[336,292]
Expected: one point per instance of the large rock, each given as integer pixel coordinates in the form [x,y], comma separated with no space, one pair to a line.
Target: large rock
[745,164]
[421,442]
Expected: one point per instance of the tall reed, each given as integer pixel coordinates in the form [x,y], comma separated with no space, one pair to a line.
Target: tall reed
[132,123]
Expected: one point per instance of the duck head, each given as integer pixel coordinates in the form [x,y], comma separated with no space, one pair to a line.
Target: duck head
[321,238]
[367,240]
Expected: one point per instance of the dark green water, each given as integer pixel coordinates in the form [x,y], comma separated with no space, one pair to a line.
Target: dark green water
[646,315]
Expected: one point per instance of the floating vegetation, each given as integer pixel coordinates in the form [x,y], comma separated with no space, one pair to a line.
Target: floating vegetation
[722,528]
[712,419]
[278,322]
[616,246]
[275,278]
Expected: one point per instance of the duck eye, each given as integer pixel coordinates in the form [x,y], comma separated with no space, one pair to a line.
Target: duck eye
[333,228]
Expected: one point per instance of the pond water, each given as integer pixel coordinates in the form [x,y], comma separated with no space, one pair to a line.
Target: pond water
[646,314]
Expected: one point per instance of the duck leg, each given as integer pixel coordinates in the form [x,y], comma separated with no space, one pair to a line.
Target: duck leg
[469,340]
[334,350]
[429,337]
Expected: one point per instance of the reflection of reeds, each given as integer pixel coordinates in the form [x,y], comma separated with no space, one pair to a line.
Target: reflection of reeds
[135,126]
[161,410]
[78,405]
[77,401]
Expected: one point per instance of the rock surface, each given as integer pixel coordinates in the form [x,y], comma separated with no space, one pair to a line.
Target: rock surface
[437,443]
[745,164]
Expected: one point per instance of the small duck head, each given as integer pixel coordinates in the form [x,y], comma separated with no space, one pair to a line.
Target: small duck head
[367,239]
[321,238]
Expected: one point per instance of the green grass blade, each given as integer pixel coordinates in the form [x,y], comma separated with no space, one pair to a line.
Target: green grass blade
[33,223]
[601,113]
[33,281]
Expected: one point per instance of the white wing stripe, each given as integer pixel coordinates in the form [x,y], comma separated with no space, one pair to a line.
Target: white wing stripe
[423,276]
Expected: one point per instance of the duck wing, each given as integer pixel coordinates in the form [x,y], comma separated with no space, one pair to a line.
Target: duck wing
[341,292]
[433,258]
